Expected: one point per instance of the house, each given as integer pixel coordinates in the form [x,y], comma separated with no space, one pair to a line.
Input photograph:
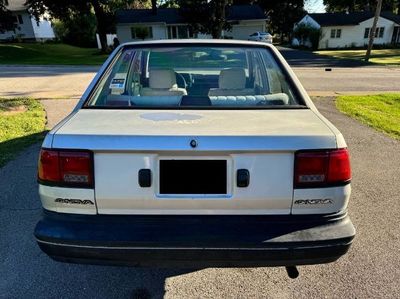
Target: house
[26,26]
[168,23]
[342,30]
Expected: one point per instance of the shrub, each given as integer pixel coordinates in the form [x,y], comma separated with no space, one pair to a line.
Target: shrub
[142,32]
[77,30]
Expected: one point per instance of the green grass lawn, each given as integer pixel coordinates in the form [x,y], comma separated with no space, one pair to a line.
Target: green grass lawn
[388,56]
[381,112]
[36,53]
[22,122]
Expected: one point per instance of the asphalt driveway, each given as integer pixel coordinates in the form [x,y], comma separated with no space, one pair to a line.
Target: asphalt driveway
[369,270]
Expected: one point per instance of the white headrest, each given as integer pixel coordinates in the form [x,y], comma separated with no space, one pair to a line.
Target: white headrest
[162,78]
[234,78]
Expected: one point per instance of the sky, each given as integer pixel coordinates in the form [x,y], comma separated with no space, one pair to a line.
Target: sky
[313,6]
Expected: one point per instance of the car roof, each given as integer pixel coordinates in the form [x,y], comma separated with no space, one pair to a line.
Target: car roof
[230,42]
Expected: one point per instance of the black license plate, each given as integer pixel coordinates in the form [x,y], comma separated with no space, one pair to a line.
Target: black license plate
[193,176]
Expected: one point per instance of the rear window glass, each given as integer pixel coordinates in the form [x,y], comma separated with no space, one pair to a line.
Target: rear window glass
[194,76]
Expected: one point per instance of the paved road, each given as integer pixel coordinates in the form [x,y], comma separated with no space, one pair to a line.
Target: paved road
[345,75]
[49,82]
[365,80]
[370,270]
[45,82]
[298,58]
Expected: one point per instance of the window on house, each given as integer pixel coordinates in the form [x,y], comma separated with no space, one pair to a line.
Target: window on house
[381,31]
[336,33]
[378,32]
[141,32]
[366,32]
[179,31]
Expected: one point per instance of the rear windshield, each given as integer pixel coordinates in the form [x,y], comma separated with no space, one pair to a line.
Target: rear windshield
[194,76]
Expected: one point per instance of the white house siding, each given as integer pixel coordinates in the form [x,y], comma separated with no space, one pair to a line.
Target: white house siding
[43,29]
[353,36]
[242,30]
[24,30]
[382,22]
[204,36]
[159,31]
[109,37]
[124,33]
[29,29]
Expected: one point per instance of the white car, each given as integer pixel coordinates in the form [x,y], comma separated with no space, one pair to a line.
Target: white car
[261,36]
[176,159]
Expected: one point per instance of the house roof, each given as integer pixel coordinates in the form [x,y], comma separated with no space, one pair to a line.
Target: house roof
[172,15]
[245,12]
[354,18]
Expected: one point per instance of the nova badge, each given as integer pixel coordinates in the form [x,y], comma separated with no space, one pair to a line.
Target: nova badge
[316,201]
[74,201]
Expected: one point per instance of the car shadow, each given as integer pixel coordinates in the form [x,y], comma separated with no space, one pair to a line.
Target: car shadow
[10,148]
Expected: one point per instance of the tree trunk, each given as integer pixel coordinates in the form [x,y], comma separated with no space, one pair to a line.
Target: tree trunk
[101,20]
[373,29]
[219,14]
[154,7]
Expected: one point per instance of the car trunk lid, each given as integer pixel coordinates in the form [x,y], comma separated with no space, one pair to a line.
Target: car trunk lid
[262,142]
[165,130]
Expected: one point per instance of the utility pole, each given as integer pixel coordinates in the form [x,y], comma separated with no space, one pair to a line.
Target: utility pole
[373,29]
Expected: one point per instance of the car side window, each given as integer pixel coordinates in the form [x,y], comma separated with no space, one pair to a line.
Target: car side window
[260,84]
[135,75]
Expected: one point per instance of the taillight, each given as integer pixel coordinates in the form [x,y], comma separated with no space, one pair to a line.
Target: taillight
[49,168]
[66,168]
[322,168]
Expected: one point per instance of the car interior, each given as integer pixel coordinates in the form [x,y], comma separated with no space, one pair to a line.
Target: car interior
[220,78]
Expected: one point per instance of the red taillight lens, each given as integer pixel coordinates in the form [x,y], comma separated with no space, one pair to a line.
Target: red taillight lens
[321,168]
[339,166]
[66,168]
[49,168]
[76,167]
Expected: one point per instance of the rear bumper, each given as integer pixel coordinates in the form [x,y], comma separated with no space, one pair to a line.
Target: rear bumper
[195,241]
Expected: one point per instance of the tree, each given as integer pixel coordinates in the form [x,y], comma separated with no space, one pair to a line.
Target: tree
[78,29]
[142,32]
[7,21]
[304,32]
[154,6]
[373,29]
[206,16]
[360,5]
[282,15]
[104,11]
